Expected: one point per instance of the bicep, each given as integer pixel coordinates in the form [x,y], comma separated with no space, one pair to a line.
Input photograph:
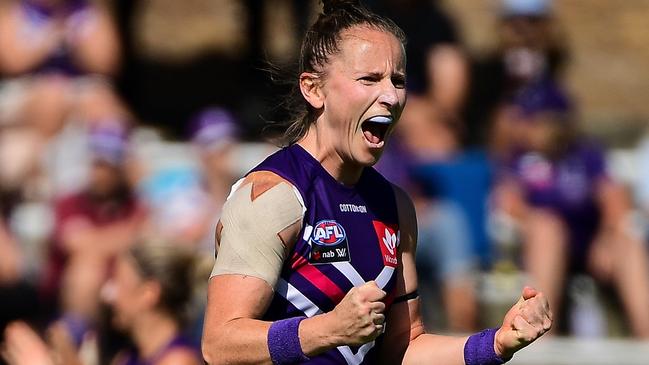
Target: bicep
[236,296]
[233,332]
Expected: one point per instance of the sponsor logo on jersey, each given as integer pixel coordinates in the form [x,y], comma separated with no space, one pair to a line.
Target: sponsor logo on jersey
[352,208]
[328,243]
[388,236]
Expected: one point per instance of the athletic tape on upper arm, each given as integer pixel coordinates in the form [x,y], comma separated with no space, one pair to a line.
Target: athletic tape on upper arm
[250,243]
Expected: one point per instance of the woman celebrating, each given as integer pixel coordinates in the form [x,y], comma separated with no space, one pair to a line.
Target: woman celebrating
[315,248]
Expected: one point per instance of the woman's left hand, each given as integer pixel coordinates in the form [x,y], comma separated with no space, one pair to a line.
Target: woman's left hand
[526,321]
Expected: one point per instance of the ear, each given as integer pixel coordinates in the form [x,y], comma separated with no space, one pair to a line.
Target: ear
[151,292]
[310,87]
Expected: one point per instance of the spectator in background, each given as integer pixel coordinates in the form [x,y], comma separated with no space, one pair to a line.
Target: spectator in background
[150,292]
[530,47]
[429,139]
[53,54]
[55,61]
[573,217]
[215,135]
[92,227]
[186,192]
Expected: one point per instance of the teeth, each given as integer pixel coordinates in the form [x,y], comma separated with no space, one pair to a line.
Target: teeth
[381,119]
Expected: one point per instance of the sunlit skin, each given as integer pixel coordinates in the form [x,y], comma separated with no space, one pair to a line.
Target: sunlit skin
[365,78]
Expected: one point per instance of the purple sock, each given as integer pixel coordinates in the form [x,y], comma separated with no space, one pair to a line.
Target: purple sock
[284,342]
[479,349]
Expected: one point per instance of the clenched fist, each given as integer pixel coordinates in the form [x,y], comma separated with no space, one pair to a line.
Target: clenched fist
[526,321]
[359,316]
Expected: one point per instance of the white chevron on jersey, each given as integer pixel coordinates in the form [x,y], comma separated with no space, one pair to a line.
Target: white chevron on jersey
[349,272]
[301,302]
[355,359]
[384,276]
[356,279]
[295,297]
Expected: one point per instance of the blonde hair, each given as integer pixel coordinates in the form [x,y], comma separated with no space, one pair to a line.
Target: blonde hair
[180,272]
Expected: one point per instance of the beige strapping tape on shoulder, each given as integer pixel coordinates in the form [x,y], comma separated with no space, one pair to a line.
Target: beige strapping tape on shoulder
[250,244]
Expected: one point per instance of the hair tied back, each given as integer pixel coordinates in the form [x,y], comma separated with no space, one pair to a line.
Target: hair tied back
[330,6]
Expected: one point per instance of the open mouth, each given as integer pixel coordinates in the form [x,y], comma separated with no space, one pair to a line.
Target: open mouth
[375,129]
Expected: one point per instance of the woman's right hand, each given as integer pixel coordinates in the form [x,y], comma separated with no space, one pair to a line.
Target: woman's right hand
[359,318]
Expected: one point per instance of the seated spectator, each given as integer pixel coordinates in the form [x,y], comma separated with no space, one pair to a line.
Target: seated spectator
[452,244]
[186,192]
[149,292]
[529,47]
[573,216]
[430,160]
[215,136]
[55,61]
[92,226]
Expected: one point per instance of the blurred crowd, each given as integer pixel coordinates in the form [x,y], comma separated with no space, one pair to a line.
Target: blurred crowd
[123,125]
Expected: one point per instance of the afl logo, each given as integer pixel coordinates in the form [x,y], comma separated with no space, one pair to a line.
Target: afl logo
[328,233]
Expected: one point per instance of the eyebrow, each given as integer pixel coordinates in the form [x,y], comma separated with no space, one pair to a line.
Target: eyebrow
[380,74]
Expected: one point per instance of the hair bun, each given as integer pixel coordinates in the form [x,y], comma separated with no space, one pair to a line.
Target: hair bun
[329,6]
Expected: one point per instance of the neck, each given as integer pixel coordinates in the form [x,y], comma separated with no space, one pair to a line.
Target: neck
[152,332]
[319,145]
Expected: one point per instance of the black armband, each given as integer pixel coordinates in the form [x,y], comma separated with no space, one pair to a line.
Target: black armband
[406,297]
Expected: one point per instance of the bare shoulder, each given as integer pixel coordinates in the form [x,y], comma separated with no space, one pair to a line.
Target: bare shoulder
[180,356]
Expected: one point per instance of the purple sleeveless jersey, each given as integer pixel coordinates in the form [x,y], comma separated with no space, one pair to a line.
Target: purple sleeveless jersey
[178,342]
[568,187]
[349,236]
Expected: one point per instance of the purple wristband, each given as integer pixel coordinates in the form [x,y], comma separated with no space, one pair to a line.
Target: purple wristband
[284,342]
[479,349]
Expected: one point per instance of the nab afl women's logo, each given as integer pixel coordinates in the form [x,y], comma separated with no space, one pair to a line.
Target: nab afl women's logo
[329,243]
[328,233]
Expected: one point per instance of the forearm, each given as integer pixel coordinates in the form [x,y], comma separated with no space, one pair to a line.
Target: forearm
[245,340]
[428,348]
[238,341]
